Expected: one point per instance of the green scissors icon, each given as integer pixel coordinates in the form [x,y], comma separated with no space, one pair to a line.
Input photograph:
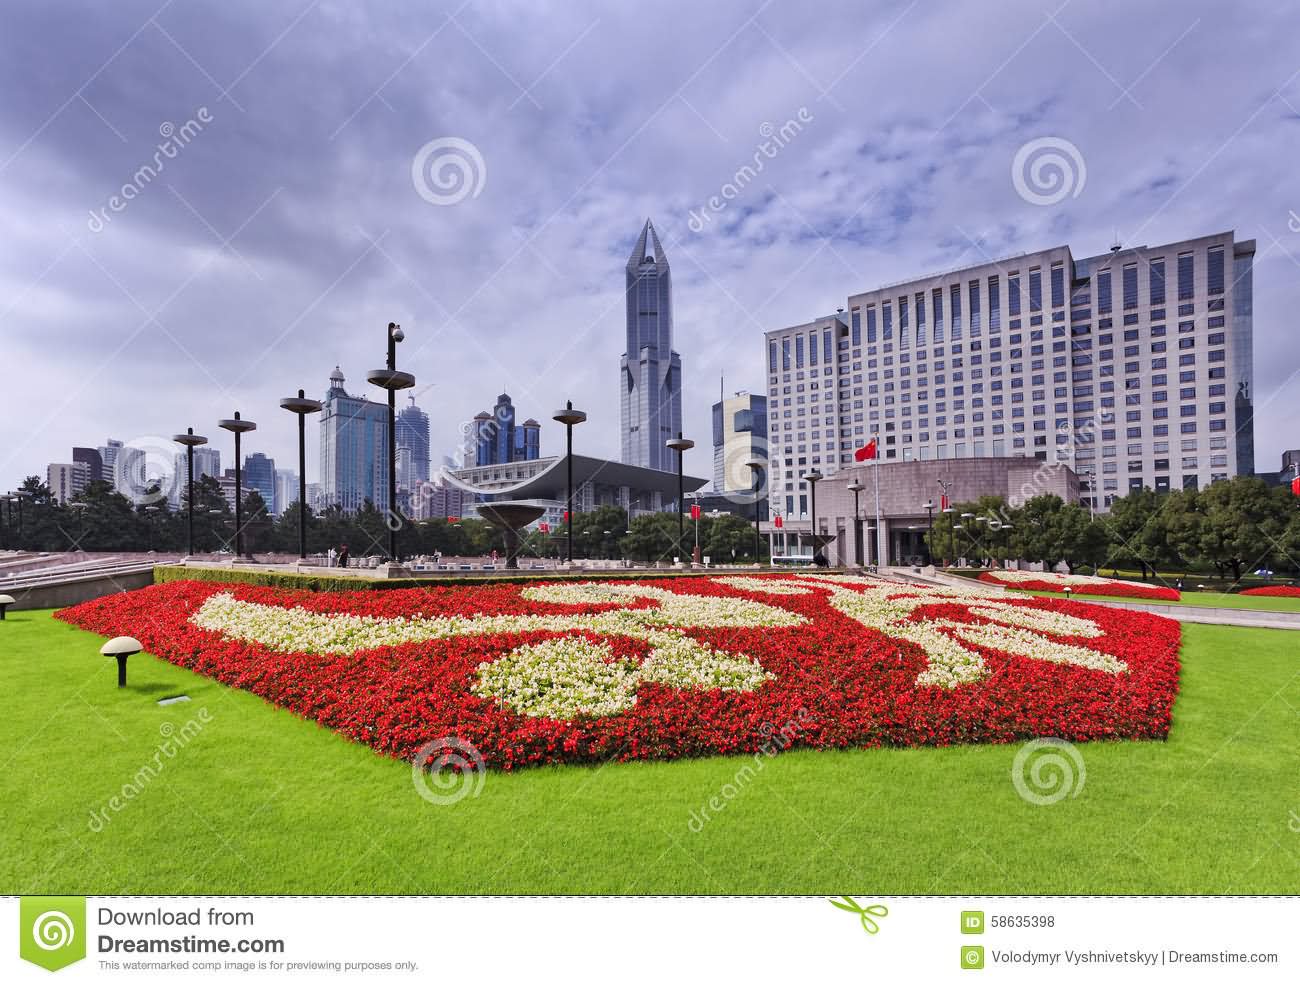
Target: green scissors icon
[866,913]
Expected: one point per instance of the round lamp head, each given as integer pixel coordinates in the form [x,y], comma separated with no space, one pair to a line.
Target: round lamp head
[237,424]
[121,646]
[301,404]
[5,602]
[568,416]
[189,438]
[679,443]
[855,486]
[814,476]
[390,379]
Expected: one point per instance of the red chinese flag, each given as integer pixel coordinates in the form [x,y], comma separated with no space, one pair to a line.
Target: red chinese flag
[1295,485]
[866,452]
[943,502]
[695,511]
[778,521]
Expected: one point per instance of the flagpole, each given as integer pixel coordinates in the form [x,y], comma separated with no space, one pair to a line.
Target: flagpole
[875,471]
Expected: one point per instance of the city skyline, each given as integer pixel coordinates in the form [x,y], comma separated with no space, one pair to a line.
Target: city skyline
[205,294]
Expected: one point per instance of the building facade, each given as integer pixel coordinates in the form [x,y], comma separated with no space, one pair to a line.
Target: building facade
[650,372]
[1134,367]
[66,479]
[259,474]
[286,489]
[353,449]
[91,458]
[108,460]
[496,439]
[910,498]
[739,437]
[412,446]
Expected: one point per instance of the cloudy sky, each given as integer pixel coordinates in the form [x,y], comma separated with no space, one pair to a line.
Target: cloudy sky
[286,225]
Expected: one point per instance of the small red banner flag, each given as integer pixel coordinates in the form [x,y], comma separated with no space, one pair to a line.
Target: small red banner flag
[566,516]
[544,528]
[943,502]
[778,521]
[1295,485]
[695,511]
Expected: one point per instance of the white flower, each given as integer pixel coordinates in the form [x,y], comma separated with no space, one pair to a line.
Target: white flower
[890,607]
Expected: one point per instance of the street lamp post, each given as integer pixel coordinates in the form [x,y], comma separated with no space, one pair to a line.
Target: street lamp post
[929,542]
[302,405]
[812,478]
[238,426]
[856,488]
[190,440]
[569,418]
[755,466]
[681,446]
[150,513]
[392,380]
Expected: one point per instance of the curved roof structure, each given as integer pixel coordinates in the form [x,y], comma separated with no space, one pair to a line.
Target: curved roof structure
[552,481]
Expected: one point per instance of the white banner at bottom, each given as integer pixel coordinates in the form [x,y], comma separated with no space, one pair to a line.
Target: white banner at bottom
[633,940]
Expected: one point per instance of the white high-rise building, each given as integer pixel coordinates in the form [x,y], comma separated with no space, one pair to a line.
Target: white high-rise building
[66,479]
[1133,366]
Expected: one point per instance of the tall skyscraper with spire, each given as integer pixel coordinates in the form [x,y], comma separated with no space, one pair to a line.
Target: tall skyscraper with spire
[651,377]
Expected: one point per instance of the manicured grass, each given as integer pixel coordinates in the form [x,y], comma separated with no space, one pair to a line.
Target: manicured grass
[259,801]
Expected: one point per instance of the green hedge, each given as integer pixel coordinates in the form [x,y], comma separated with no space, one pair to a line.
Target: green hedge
[344,583]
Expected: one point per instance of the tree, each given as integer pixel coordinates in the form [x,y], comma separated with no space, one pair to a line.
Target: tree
[730,536]
[1242,522]
[651,538]
[1138,529]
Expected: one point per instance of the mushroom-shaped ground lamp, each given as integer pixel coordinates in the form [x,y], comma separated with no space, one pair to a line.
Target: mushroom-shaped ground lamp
[121,647]
[5,602]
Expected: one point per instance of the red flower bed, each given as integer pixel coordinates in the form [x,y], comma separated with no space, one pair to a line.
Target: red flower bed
[1275,591]
[833,682]
[1108,589]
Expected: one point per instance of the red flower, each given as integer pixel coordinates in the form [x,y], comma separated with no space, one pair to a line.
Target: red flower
[835,684]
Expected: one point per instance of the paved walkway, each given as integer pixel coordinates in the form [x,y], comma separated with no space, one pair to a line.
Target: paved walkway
[1258,618]
[1214,616]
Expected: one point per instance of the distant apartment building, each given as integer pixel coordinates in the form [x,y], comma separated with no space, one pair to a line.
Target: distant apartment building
[207,461]
[259,474]
[108,460]
[412,446]
[439,498]
[286,489]
[496,439]
[739,436]
[91,458]
[66,479]
[353,449]
[1134,367]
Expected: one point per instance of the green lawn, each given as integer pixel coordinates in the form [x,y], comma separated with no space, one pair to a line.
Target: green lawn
[262,802]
